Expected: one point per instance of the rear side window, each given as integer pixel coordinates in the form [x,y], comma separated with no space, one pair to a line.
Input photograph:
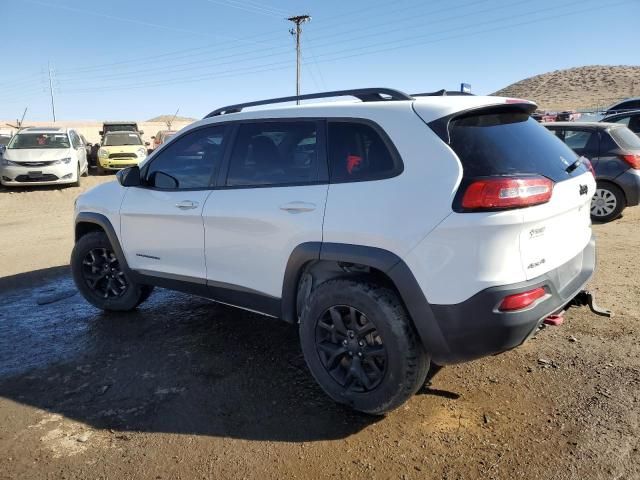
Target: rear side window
[274,153]
[357,152]
[625,138]
[503,142]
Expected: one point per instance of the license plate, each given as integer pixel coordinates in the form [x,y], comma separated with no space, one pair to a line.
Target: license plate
[35,174]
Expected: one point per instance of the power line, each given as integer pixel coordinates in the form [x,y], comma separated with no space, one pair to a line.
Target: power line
[217,46]
[278,51]
[199,66]
[335,55]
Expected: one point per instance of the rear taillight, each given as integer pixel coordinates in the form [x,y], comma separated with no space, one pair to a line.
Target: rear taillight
[506,192]
[589,166]
[520,301]
[632,160]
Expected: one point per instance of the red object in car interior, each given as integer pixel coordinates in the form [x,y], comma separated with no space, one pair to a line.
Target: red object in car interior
[507,192]
[522,300]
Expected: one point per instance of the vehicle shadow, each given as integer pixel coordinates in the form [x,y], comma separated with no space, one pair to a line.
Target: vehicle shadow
[178,364]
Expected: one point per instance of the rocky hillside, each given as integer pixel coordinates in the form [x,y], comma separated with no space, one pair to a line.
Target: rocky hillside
[578,88]
[165,118]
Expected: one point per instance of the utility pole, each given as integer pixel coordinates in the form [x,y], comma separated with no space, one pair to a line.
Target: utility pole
[298,20]
[53,105]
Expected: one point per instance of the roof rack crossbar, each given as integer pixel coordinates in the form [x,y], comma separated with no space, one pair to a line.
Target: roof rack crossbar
[364,94]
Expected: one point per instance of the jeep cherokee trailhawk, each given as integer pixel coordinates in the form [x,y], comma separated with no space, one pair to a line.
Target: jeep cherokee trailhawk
[398,231]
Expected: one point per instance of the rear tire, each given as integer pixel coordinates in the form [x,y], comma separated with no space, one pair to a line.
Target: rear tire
[100,278]
[607,203]
[360,346]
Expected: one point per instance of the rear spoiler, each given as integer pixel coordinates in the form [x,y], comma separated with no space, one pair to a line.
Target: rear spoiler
[441,125]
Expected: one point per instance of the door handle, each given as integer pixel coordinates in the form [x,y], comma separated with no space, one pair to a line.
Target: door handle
[187,205]
[298,207]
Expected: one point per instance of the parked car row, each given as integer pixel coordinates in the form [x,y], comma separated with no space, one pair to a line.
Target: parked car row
[52,155]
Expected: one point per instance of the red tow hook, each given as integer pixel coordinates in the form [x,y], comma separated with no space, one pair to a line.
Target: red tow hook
[555,320]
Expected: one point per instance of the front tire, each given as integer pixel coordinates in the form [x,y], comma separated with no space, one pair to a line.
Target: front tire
[78,174]
[607,203]
[101,279]
[360,346]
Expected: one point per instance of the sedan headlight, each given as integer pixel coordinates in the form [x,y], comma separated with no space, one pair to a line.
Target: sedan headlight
[66,161]
[6,162]
[102,153]
[142,153]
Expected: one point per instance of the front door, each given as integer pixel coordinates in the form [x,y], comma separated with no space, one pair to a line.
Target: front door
[161,221]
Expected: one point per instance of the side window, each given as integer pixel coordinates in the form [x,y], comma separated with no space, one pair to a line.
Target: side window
[190,162]
[634,124]
[358,153]
[75,140]
[274,153]
[576,139]
[623,120]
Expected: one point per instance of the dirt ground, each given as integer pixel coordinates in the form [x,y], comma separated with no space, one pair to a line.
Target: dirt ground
[185,389]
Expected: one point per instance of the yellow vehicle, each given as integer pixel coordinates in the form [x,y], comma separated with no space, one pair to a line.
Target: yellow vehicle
[120,150]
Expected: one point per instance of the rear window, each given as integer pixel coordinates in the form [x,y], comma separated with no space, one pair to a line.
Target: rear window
[509,143]
[357,153]
[625,138]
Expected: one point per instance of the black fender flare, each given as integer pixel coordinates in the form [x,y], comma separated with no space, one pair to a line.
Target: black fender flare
[387,262]
[103,222]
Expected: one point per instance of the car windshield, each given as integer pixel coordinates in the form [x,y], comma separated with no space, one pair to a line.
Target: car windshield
[39,140]
[112,139]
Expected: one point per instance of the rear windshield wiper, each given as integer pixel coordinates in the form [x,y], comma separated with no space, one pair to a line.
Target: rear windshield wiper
[573,166]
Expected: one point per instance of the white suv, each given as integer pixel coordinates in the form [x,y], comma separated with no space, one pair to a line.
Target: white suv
[44,156]
[398,231]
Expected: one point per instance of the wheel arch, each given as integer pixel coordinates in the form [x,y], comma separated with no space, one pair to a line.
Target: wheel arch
[87,222]
[324,261]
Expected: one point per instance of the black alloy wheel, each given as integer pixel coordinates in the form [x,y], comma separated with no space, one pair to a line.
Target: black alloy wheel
[351,349]
[102,274]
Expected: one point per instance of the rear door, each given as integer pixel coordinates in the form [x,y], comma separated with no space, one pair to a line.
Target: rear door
[271,200]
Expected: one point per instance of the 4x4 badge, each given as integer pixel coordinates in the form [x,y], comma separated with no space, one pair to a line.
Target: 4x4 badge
[584,189]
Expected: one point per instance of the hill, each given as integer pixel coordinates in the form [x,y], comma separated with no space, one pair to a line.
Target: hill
[165,118]
[578,88]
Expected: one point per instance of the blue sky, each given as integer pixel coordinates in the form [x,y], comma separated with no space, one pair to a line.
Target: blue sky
[121,59]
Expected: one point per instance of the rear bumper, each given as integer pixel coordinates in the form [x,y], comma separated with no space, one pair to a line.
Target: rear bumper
[475,328]
[629,181]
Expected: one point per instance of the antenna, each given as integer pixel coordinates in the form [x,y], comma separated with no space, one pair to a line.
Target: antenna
[170,122]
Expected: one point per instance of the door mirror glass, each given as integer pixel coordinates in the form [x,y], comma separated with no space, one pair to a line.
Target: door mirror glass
[163,180]
[129,177]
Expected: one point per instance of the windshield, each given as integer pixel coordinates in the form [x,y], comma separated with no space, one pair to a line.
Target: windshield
[39,140]
[112,139]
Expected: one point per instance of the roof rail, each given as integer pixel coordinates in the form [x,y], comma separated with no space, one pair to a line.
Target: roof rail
[441,93]
[364,94]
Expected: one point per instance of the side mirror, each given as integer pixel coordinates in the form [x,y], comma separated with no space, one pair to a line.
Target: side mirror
[163,180]
[129,177]
[146,144]
[101,132]
[141,132]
